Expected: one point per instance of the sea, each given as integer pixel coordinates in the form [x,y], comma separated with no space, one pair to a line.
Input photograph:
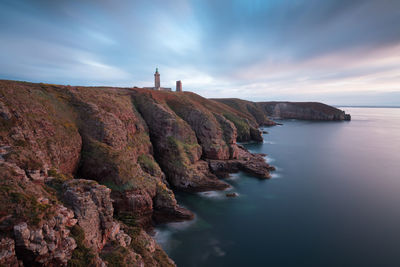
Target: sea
[334,200]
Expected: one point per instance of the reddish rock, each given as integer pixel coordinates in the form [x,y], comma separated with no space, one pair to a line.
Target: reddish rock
[137,142]
[48,245]
[40,128]
[93,209]
[176,147]
[206,127]
[166,208]
[7,253]
[253,164]
[303,111]
[233,194]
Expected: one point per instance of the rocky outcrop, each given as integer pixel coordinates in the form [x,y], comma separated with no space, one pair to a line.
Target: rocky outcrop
[34,220]
[176,147]
[230,135]
[166,207]
[254,113]
[102,239]
[93,209]
[150,251]
[205,126]
[118,153]
[303,111]
[7,253]
[30,119]
[261,113]
[253,164]
[131,147]
[233,194]
[48,245]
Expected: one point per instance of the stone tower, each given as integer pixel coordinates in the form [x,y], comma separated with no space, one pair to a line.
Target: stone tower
[178,86]
[157,80]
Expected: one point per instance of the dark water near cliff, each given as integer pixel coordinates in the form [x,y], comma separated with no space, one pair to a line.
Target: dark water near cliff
[334,201]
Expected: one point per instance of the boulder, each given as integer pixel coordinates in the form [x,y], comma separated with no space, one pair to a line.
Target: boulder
[233,194]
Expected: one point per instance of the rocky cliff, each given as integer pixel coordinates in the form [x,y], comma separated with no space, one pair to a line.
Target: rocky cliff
[86,170]
[262,112]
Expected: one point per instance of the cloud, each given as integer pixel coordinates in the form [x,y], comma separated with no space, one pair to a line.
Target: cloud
[56,62]
[253,49]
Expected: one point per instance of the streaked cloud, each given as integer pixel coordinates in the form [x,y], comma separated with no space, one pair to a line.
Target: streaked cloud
[336,51]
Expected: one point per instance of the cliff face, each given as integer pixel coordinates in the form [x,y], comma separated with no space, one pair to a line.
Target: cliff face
[303,111]
[255,114]
[85,170]
[262,111]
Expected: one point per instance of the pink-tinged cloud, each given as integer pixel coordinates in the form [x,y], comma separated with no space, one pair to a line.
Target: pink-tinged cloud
[336,51]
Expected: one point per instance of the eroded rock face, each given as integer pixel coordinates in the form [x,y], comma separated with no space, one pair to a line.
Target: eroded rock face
[7,253]
[166,207]
[176,147]
[149,248]
[250,110]
[126,257]
[136,202]
[93,209]
[117,152]
[48,245]
[260,112]
[303,111]
[230,135]
[39,127]
[207,129]
[108,135]
[253,164]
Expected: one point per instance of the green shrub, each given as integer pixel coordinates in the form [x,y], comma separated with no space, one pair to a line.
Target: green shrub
[127,218]
[241,125]
[81,256]
[116,257]
[58,181]
[147,162]
[25,159]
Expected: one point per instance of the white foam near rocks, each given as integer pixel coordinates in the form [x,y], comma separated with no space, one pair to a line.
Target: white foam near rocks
[164,235]
[269,159]
[233,177]
[213,194]
[275,175]
[269,142]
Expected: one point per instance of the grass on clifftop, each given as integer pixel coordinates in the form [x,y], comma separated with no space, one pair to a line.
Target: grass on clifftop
[243,128]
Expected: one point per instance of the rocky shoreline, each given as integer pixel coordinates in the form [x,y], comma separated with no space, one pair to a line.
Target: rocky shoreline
[87,170]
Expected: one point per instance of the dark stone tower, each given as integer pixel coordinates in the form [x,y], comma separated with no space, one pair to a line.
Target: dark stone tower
[157,80]
[178,86]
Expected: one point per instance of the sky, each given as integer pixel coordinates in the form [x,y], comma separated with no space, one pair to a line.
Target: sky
[341,52]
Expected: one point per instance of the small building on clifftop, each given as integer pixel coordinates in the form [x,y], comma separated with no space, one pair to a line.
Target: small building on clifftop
[157,83]
[179,86]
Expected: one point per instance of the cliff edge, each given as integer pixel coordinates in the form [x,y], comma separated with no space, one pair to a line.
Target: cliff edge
[264,112]
[85,171]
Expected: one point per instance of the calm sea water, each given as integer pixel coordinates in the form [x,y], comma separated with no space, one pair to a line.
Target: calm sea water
[333,201]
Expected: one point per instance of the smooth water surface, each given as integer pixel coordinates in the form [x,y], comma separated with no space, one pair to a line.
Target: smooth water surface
[333,201]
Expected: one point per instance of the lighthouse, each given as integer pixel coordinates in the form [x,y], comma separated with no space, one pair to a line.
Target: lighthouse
[157,83]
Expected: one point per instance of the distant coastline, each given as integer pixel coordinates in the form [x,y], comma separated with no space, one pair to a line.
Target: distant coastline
[347,106]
